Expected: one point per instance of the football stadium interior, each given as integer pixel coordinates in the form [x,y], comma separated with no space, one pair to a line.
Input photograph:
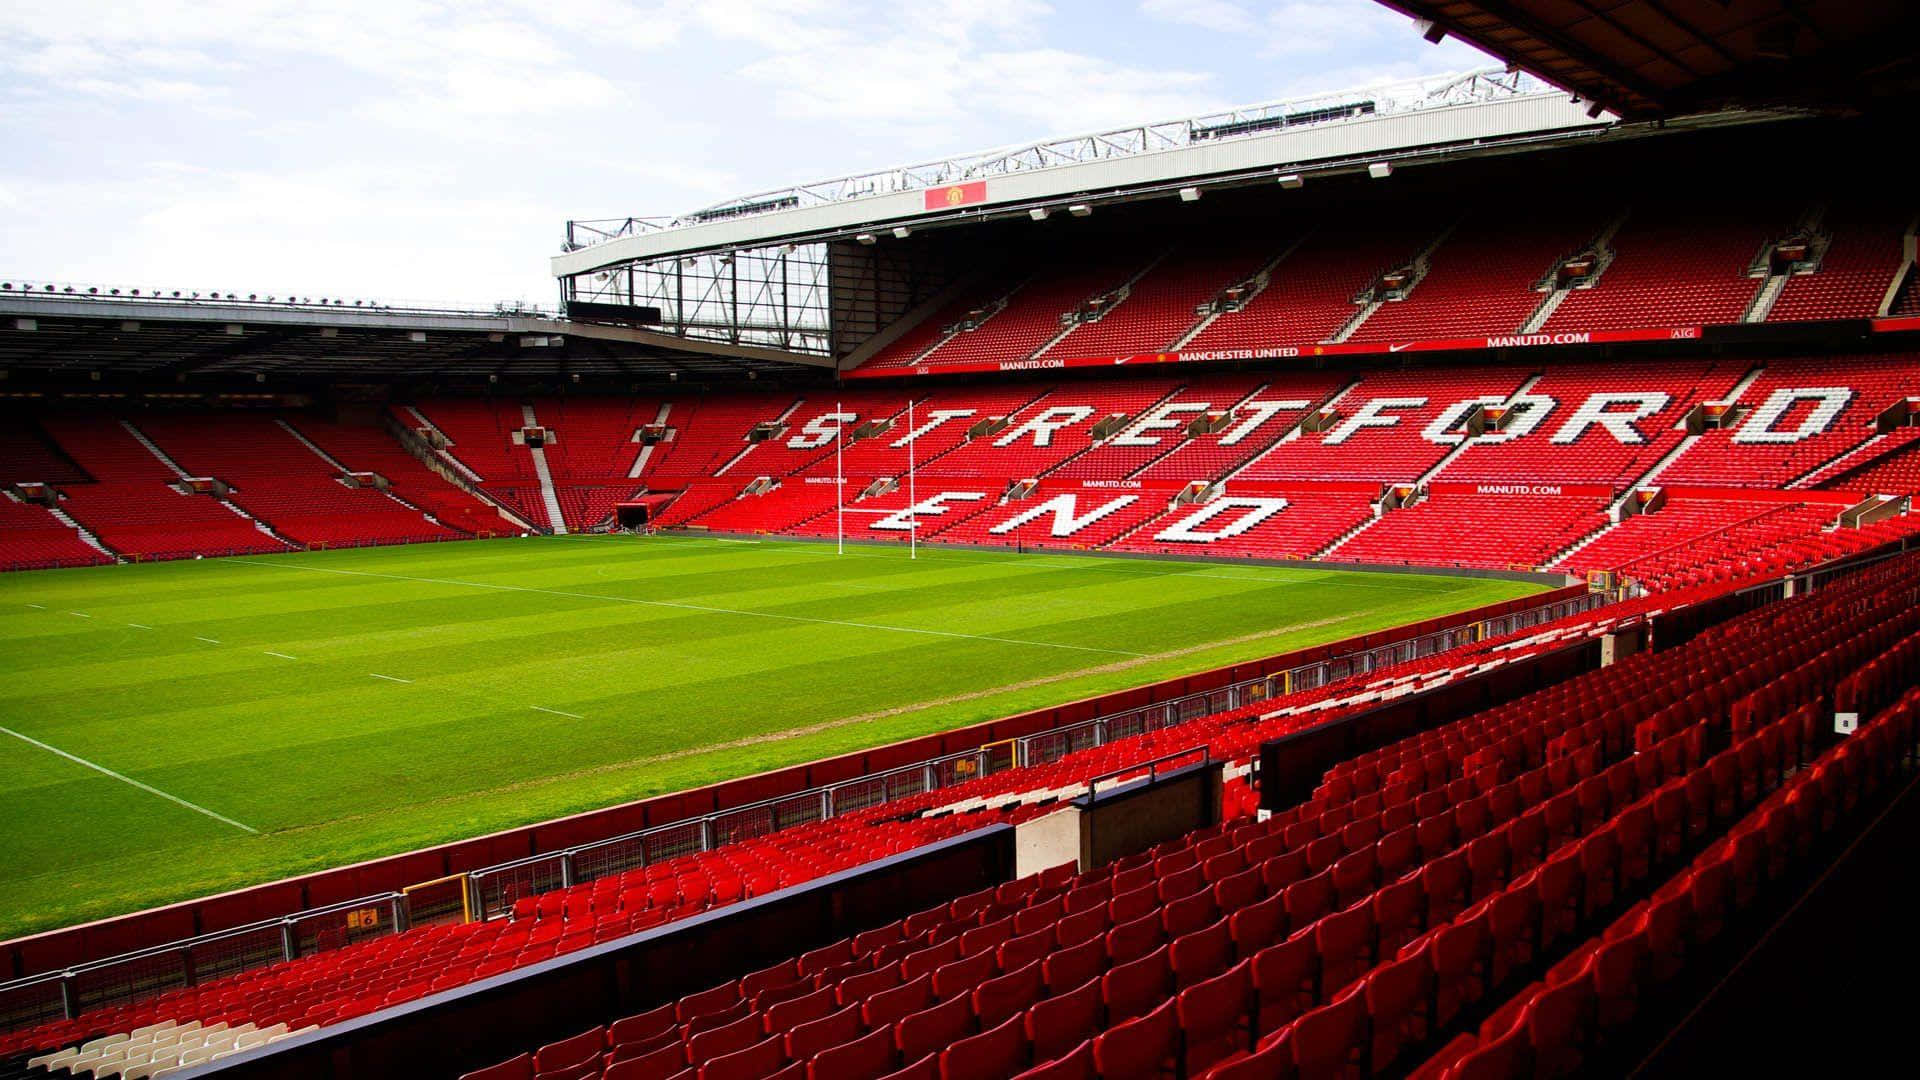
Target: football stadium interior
[1418,581]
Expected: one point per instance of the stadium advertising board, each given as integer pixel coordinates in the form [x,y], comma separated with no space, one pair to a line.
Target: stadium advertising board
[1288,352]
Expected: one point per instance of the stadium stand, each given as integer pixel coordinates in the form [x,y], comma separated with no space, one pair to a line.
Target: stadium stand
[1465,448]
[136,505]
[1865,252]
[1482,277]
[1309,294]
[31,538]
[1267,521]
[710,433]
[1030,320]
[282,481]
[1487,897]
[592,460]
[367,448]
[1163,304]
[1379,429]
[1253,424]
[1680,262]
[480,435]
[31,456]
[1605,423]
[1488,531]
[1803,412]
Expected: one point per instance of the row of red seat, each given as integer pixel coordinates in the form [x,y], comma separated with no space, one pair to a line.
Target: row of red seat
[1677,261]
[1583,1005]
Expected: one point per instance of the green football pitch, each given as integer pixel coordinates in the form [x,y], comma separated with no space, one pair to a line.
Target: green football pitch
[171,730]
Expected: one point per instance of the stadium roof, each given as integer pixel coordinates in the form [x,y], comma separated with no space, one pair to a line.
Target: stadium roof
[1649,58]
[54,331]
[1345,128]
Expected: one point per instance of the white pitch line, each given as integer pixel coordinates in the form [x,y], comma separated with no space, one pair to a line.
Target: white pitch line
[704,608]
[38,607]
[556,712]
[281,655]
[148,788]
[82,614]
[208,640]
[139,626]
[389,678]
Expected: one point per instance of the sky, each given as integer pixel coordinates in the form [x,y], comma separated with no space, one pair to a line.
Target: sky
[411,150]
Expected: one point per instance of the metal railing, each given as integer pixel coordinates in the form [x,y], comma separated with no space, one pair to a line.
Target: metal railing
[493,891]
[41,289]
[1151,771]
[1049,746]
[191,961]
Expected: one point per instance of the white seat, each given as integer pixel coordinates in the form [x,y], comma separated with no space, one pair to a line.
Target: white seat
[152,1029]
[55,1060]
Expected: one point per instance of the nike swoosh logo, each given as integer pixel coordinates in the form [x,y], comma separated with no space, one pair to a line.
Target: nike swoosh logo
[1398,348]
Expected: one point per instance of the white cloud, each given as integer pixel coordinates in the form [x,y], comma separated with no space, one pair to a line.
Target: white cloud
[1227,18]
[426,149]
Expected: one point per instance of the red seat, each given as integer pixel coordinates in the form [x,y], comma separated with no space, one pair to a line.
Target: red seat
[810,1038]
[659,1064]
[762,1059]
[581,1049]
[997,1052]
[888,1006]
[960,977]
[1068,968]
[932,1030]
[867,1058]
[1133,988]
[726,1039]
[1075,1064]
[520,1068]
[1059,1023]
[927,1068]
[1559,1026]
[1330,1042]
[1284,981]
[1201,954]
[1345,941]
[1459,955]
[1008,995]
[1145,1046]
[1214,1021]
[1132,940]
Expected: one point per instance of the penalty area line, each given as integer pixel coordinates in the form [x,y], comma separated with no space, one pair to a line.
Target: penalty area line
[208,640]
[148,788]
[556,712]
[389,678]
[281,655]
[38,607]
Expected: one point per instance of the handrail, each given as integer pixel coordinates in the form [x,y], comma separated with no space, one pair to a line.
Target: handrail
[1131,773]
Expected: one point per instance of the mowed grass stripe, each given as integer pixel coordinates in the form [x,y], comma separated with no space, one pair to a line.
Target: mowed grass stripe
[335,766]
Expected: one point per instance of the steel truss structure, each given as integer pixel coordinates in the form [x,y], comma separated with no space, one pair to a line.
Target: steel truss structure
[774,297]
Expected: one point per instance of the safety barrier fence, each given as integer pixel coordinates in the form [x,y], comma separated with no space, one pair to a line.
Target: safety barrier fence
[491,892]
